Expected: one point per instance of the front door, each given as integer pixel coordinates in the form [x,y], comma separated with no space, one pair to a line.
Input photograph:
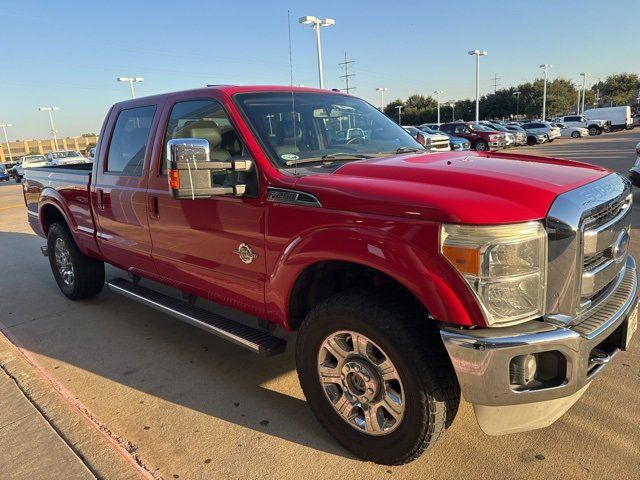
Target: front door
[211,247]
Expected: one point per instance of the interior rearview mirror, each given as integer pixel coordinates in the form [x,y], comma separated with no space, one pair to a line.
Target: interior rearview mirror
[192,174]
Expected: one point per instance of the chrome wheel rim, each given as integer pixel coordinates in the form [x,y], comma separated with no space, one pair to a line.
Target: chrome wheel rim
[480,147]
[361,383]
[63,262]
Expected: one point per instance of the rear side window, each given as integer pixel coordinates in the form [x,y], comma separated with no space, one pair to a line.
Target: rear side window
[129,141]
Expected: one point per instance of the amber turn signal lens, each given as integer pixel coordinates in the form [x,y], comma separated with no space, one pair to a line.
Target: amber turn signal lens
[466,260]
[174,179]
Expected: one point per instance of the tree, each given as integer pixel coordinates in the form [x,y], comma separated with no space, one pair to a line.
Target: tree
[618,89]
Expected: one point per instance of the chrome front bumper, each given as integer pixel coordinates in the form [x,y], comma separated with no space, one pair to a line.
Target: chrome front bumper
[482,357]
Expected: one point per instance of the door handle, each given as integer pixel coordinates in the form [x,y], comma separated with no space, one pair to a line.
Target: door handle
[153,206]
[100,199]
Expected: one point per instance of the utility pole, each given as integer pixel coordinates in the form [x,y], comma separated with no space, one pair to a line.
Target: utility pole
[381,90]
[438,92]
[347,75]
[6,138]
[545,67]
[452,104]
[399,108]
[584,87]
[53,128]
[131,81]
[495,82]
[478,54]
[517,94]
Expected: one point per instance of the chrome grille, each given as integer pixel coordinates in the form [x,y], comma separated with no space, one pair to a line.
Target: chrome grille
[604,213]
[591,262]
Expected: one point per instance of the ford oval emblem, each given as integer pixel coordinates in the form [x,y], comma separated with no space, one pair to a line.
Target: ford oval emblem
[620,247]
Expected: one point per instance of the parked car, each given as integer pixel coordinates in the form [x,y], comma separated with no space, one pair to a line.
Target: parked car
[28,161]
[514,138]
[437,142]
[455,143]
[480,137]
[4,175]
[634,173]
[410,278]
[618,118]
[530,137]
[544,128]
[65,157]
[573,132]
[595,126]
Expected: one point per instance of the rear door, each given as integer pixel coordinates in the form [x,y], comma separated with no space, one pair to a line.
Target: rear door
[119,189]
[197,243]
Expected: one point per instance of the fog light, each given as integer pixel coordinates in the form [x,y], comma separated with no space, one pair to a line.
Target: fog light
[522,369]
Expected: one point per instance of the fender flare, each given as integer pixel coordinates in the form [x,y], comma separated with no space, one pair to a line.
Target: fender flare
[428,276]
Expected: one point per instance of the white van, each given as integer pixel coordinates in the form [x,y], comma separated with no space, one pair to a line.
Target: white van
[618,117]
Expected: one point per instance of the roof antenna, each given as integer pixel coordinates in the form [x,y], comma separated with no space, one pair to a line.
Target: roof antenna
[293,101]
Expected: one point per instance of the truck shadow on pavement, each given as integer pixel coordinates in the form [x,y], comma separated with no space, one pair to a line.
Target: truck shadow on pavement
[166,361]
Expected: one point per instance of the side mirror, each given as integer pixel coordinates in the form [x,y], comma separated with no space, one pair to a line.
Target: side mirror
[191,171]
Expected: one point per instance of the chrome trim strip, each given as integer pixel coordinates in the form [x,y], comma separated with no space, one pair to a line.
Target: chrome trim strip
[595,280]
[292,197]
[186,318]
[602,237]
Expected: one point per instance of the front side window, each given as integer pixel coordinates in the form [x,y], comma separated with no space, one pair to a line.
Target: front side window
[204,119]
[129,141]
[305,127]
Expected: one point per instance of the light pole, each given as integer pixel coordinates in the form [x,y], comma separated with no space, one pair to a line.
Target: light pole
[545,67]
[381,90]
[6,139]
[131,81]
[579,96]
[399,108]
[478,54]
[316,23]
[452,104]
[517,94]
[53,128]
[438,92]
[584,88]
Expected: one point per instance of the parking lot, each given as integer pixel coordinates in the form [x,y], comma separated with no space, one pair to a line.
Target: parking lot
[185,404]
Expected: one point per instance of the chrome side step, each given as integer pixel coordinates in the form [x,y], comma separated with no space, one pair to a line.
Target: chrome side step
[255,340]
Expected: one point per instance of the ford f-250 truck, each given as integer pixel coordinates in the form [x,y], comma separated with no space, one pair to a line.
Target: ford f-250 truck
[410,277]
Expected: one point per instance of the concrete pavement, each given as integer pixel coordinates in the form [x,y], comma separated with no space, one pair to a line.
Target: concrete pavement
[189,405]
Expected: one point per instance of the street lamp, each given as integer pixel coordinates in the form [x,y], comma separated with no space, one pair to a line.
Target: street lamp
[53,128]
[584,88]
[382,90]
[546,67]
[478,54]
[399,108]
[517,94]
[452,104]
[438,92]
[6,139]
[131,81]
[316,23]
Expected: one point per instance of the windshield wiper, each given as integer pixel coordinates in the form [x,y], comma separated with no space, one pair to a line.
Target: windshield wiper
[342,156]
[410,150]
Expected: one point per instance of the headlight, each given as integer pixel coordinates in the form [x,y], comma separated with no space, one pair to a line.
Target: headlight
[505,266]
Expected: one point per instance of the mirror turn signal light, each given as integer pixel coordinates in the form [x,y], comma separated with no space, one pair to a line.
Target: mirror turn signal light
[174,179]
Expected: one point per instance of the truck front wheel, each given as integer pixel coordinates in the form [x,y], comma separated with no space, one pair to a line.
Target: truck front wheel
[593,130]
[376,376]
[77,275]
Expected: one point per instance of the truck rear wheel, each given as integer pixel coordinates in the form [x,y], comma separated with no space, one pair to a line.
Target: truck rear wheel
[376,376]
[481,146]
[77,275]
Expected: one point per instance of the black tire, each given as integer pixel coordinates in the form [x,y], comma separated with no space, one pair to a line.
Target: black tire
[88,273]
[17,180]
[481,146]
[430,387]
[575,134]
[531,140]
[593,130]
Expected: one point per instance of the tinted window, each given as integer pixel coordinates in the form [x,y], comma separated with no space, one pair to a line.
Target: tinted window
[572,119]
[203,119]
[129,141]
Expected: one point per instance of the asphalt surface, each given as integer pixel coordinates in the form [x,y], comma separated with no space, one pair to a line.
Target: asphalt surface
[189,405]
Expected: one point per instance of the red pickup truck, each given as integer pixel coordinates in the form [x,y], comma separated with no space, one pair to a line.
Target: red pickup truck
[412,278]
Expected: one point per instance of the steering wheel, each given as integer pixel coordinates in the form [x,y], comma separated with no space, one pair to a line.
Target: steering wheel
[355,140]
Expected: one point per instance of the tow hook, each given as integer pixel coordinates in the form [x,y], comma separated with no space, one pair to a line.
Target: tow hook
[45,250]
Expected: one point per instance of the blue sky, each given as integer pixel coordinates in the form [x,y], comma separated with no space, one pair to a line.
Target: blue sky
[68,53]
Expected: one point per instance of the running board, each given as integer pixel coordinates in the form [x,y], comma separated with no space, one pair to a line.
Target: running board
[255,340]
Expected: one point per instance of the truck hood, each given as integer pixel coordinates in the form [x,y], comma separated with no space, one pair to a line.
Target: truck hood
[457,187]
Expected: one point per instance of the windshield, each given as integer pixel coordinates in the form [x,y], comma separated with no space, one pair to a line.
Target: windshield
[481,128]
[65,154]
[32,160]
[307,126]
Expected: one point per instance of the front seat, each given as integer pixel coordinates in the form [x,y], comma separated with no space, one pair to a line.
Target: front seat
[208,130]
[288,138]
